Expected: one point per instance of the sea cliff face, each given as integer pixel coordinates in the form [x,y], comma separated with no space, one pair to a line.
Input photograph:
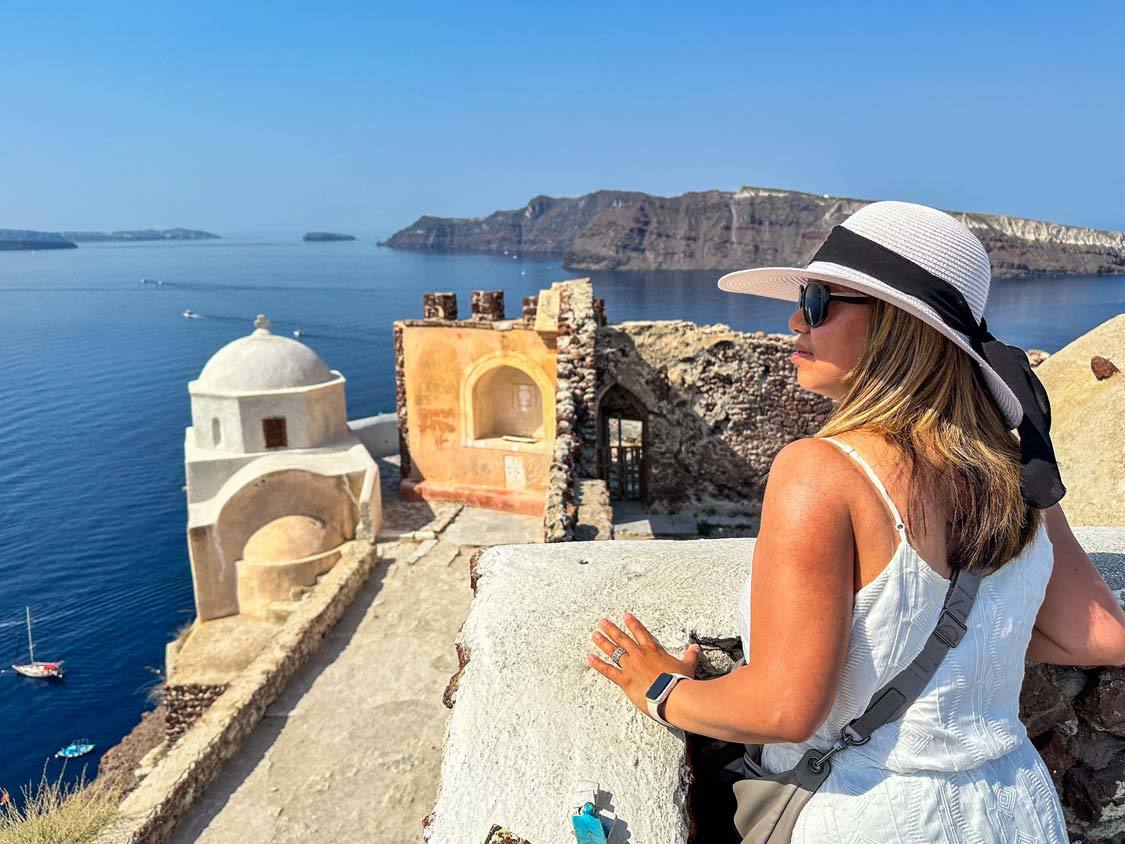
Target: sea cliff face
[721,230]
[12,239]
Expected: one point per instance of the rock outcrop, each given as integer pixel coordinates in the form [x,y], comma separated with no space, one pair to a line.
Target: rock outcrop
[318,237]
[13,239]
[140,234]
[721,230]
[1087,397]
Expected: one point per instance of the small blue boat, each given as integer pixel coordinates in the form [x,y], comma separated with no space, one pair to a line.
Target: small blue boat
[77,748]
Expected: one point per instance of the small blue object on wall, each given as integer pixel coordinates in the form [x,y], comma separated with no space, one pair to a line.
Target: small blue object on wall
[588,827]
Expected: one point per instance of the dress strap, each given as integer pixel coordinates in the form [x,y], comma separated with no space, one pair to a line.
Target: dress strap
[900,526]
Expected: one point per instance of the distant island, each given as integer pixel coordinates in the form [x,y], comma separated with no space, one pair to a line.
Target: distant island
[140,234]
[12,239]
[726,230]
[320,236]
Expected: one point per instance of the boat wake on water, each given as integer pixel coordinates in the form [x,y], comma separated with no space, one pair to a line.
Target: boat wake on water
[313,330]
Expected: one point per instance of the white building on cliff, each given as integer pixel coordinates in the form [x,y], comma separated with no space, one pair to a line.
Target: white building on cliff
[276,482]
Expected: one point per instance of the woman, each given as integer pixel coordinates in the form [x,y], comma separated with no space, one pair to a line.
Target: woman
[916,472]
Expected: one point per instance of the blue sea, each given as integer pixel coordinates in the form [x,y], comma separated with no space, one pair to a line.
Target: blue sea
[93,406]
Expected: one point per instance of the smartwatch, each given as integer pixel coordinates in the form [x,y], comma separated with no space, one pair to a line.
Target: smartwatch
[658,692]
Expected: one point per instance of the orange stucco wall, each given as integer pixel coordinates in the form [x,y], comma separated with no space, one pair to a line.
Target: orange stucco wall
[441,363]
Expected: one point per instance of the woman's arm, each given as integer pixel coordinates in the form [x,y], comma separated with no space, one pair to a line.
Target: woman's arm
[1080,621]
[802,586]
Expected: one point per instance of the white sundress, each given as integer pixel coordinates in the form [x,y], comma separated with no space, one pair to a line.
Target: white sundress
[958,766]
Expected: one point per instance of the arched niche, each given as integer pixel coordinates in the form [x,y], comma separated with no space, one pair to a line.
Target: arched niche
[508,403]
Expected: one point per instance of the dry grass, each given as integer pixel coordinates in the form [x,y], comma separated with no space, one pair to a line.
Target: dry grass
[56,813]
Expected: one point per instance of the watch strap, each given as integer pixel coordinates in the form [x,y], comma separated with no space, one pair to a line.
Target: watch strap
[654,705]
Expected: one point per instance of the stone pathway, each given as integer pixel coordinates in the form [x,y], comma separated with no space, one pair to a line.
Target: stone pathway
[351,752]
[632,521]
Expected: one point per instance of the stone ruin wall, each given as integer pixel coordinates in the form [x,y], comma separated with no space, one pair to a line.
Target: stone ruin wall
[575,410]
[184,704]
[720,404]
[400,397]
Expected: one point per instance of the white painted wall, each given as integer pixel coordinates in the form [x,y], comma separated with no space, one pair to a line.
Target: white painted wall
[379,434]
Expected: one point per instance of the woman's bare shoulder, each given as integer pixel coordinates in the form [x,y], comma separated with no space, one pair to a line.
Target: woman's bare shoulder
[810,473]
[811,459]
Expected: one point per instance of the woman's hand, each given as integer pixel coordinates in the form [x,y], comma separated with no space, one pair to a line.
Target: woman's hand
[643,661]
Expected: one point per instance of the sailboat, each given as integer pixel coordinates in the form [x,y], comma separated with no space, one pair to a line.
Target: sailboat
[35,668]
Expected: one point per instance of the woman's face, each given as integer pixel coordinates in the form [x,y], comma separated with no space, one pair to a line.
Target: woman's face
[825,353]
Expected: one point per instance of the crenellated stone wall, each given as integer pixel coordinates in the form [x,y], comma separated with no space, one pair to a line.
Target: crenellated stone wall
[487,305]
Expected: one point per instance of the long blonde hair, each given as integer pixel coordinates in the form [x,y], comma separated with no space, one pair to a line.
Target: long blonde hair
[920,392]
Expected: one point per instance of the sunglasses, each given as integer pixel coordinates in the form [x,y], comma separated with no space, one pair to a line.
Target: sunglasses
[814,300]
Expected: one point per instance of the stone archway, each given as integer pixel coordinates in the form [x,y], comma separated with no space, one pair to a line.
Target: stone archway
[622,440]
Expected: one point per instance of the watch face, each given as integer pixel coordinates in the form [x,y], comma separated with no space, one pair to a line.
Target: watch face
[658,686]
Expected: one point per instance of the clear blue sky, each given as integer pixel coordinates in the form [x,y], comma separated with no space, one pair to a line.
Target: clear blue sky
[240,117]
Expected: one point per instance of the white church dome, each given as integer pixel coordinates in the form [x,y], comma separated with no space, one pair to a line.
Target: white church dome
[263,361]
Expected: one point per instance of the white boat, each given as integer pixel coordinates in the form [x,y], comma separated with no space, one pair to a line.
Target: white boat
[190,314]
[35,668]
[298,332]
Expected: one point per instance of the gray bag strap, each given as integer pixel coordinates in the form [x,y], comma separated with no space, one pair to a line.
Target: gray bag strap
[890,702]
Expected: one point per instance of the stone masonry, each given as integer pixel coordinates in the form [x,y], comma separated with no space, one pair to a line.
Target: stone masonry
[530,308]
[1076,719]
[575,409]
[487,305]
[439,306]
[720,405]
[184,704]
[400,395]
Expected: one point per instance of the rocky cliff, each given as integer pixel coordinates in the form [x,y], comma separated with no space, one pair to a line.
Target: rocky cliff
[11,239]
[141,234]
[721,230]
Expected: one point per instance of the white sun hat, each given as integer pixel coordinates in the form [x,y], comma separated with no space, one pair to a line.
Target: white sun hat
[924,236]
[930,265]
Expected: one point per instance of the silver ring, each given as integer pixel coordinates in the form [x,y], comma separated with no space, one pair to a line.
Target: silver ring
[615,657]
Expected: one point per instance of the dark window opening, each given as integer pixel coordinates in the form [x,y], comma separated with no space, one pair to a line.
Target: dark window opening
[274,432]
